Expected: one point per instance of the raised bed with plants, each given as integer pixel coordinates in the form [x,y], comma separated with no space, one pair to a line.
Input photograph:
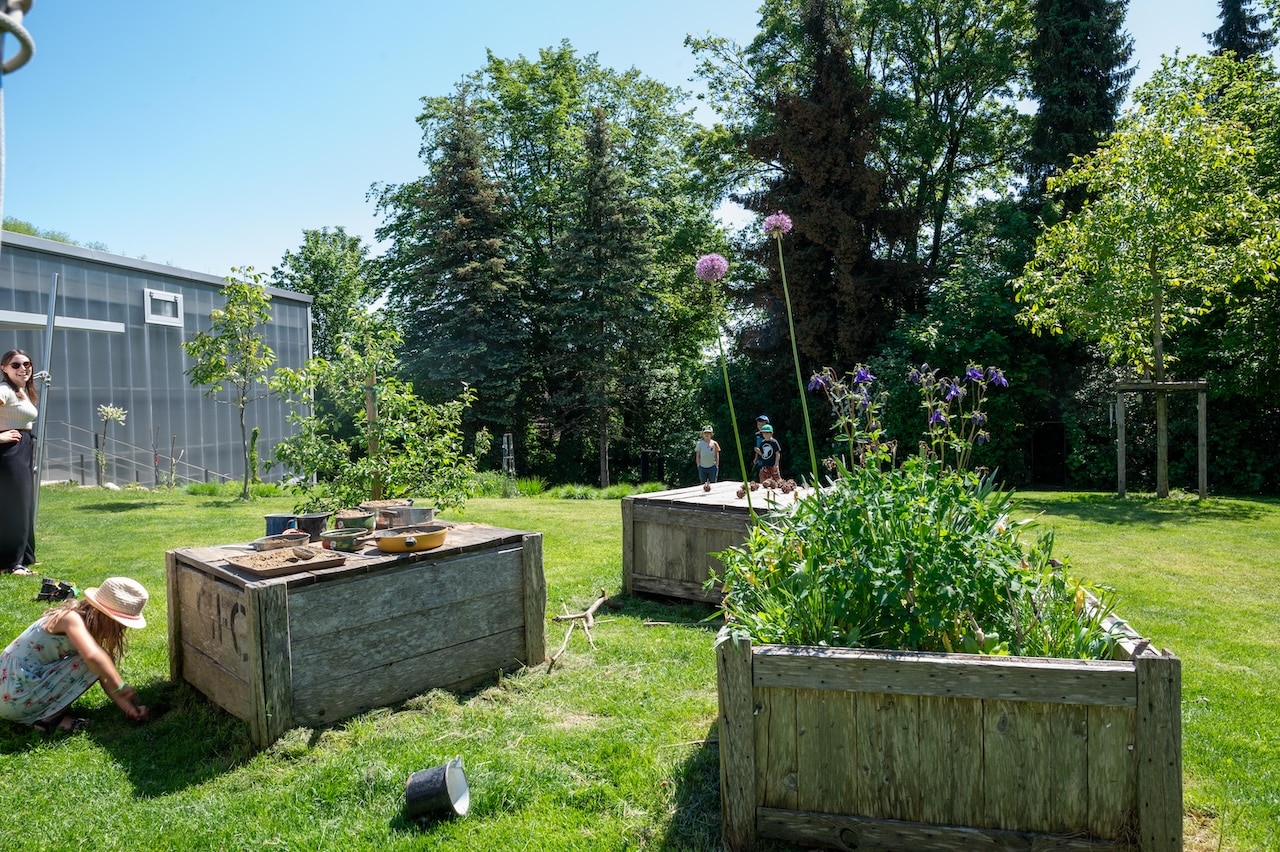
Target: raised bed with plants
[900,669]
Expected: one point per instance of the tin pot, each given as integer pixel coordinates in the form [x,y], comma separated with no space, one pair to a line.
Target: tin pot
[346,539]
[410,539]
[406,516]
[441,791]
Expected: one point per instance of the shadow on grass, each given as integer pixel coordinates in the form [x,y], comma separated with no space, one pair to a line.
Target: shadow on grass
[1144,509]
[188,741]
[118,506]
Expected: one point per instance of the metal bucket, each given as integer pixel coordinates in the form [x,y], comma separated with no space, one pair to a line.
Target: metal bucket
[314,523]
[278,523]
[437,792]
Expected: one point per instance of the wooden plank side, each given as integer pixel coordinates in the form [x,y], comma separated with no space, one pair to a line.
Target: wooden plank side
[270,662]
[324,608]
[1102,682]
[950,731]
[1068,760]
[1112,772]
[1016,769]
[174,610]
[824,751]
[874,835]
[684,517]
[628,542]
[322,702]
[219,685]
[214,619]
[645,585]
[888,752]
[1159,751]
[386,642]
[737,743]
[534,597]
[776,770]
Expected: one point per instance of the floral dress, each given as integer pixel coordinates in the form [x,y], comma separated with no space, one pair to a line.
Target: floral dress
[41,673]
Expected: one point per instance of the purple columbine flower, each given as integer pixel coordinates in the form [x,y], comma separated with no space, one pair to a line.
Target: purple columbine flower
[914,376]
[996,377]
[777,224]
[983,437]
[978,418]
[936,416]
[954,391]
[711,267]
[863,376]
[973,374]
[819,382]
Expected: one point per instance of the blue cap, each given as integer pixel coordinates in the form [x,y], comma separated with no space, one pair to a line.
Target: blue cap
[763,418]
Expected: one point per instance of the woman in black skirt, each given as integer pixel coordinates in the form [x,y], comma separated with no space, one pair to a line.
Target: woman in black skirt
[17,458]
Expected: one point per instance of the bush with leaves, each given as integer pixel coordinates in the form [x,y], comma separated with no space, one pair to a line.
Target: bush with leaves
[387,442]
[919,556]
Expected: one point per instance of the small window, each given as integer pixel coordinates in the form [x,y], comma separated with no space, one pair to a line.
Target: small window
[164,308]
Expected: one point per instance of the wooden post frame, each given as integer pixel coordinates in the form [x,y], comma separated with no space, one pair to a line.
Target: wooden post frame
[880,750]
[1161,390]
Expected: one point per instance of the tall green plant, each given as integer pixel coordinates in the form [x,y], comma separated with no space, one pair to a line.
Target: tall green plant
[920,556]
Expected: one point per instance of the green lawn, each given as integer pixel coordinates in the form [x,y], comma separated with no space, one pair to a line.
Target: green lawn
[609,751]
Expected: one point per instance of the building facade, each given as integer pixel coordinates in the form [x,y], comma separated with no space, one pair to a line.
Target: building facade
[119,326]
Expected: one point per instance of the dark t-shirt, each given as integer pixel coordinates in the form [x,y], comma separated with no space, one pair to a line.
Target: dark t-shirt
[770,452]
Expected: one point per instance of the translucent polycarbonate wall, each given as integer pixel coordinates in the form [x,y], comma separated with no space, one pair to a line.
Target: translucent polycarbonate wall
[119,329]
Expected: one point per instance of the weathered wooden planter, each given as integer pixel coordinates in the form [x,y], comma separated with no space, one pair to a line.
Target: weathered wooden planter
[314,647]
[668,536]
[875,750]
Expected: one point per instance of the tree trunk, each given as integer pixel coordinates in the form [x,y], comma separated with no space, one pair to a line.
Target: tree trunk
[244,444]
[1162,398]
[371,418]
[603,426]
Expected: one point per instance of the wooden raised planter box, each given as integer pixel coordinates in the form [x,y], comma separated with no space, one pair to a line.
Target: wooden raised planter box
[315,647]
[877,750]
[668,537]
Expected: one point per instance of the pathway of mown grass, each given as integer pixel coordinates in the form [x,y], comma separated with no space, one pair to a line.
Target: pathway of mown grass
[606,752]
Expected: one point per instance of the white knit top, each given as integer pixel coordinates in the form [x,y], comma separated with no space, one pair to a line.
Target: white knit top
[15,413]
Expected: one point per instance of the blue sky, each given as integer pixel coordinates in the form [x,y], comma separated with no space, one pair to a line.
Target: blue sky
[209,135]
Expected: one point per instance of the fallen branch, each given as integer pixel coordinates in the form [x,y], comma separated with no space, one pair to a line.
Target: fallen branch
[586,618]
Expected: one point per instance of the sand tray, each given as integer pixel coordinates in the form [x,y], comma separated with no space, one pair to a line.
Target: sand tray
[287,560]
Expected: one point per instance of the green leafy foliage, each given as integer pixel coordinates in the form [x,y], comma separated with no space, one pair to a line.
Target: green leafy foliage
[921,556]
[398,445]
[233,352]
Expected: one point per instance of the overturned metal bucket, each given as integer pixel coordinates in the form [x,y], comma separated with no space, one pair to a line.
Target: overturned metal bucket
[440,791]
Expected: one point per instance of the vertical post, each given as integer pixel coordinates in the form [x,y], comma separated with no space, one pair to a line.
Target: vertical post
[1202,442]
[535,600]
[371,417]
[1159,751]
[1120,444]
[1162,443]
[737,743]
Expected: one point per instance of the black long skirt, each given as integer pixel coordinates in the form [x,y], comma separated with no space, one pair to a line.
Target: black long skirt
[17,491]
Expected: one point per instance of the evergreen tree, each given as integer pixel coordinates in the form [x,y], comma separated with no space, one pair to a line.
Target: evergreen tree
[1076,68]
[452,290]
[819,142]
[1242,31]
[606,310]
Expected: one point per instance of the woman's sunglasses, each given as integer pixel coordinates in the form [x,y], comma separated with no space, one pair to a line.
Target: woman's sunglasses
[19,365]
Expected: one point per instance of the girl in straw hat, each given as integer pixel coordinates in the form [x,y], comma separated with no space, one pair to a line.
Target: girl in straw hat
[66,651]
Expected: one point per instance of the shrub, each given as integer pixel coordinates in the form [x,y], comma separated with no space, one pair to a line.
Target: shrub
[920,556]
[531,486]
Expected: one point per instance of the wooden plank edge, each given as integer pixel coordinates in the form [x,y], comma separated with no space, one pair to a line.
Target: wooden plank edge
[737,742]
[836,831]
[535,600]
[669,587]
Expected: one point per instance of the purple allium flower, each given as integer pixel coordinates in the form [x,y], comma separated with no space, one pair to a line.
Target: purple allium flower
[996,377]
[973,374]
[863,376]
[711,267]
[936,416]
[777,224]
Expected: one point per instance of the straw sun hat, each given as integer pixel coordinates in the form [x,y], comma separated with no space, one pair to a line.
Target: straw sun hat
[121,599]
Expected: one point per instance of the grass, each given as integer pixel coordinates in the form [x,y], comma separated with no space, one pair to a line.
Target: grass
[608,751]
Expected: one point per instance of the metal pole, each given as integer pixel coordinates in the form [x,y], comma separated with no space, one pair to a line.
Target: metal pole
[44,378]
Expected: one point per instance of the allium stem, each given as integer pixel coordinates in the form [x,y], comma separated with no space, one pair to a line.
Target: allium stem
[795,356]
[733,418]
